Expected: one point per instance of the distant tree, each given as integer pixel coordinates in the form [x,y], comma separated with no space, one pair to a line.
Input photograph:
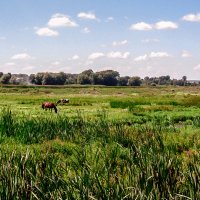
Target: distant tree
[13,80]
[5,78]
[184,78]
[123,81]
[32,79]
[50,78]
[61,78]
[146,80]
[134,81]
[71,78]
[21,79]
[38,78]
[180,82]
[174,82]
[107,77]
[83,79]
[86,77]
[47,79]
[154,80]
[1,74]
[164,80]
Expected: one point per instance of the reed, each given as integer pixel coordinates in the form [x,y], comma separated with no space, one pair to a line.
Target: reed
[60,157]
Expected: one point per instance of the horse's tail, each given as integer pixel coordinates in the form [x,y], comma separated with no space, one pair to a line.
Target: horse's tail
[43,105]
[55,109]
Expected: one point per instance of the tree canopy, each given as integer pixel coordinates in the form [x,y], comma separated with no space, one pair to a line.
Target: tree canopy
[89,77]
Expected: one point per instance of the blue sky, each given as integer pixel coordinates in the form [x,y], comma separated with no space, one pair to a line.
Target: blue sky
[134,37]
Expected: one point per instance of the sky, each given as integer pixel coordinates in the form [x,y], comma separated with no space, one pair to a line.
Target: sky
[134,37]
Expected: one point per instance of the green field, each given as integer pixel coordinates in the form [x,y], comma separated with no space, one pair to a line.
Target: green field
[107,143]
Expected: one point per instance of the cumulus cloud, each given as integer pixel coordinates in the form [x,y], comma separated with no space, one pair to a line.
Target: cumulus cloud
[95,55]
[60,20]
[186,54]
[10,64]
[119,43]
[165,25]
[21,56]
[141,58]
[161,25]
[192,17]
[86,30]
[158,55]
[90,16]
[141,26]
[75,57]
[150,40]
[45,31]
[152,55]
[109,19]
[197,67]
[56,63]
[118,54]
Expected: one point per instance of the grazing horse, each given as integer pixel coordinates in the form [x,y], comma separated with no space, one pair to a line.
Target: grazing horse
[49,105]
[63,101]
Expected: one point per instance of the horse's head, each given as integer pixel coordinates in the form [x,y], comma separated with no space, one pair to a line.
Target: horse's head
[65,100]
[58,101]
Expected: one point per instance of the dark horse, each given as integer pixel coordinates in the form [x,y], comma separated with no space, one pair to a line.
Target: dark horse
[63,101]
[49,105]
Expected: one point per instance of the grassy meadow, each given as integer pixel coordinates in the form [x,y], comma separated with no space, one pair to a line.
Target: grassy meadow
[107,143]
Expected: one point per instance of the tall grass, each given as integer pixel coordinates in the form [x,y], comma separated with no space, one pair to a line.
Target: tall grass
[57,157]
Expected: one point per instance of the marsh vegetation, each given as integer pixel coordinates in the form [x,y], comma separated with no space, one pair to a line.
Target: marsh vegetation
[107,143]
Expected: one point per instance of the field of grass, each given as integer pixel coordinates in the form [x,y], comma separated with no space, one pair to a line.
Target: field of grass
[107,143]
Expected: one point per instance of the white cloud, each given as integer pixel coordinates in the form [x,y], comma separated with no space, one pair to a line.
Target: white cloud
[47,32]
[141,26]
[21,56]
[186,54]
[118,54]
[89,62]
[60,20]
[95,55]
[152,55]
[166,25]
[192,17]
[109,19]
[141,58]
[86,30]
[88,15]
[197,67]
[10,64]
[150,40]
[56,63]
[119,43]
[75,57]
[158,55]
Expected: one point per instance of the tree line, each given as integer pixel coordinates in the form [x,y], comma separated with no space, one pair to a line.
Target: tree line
[89,77]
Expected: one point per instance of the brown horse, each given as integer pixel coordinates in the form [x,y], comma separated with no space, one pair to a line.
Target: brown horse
[49,105]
